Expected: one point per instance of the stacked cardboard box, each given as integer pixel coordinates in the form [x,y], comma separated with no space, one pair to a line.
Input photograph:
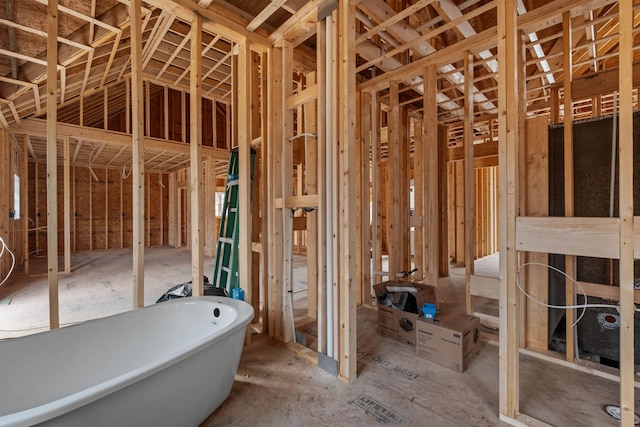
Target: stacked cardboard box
[451,340]
[393,321]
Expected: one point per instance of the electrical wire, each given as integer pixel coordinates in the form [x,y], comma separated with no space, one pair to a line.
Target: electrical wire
[563,307]
[13,260]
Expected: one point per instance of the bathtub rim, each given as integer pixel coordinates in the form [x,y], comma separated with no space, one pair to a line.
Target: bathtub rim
[50,410]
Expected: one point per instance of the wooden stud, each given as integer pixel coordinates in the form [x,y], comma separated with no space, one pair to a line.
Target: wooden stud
[264,192]
[137,134]
[91,217]
[365,189]
[376,188]
[275,230]
[537,204]
[419,197]
[173,210]
[431,162]
[37,206]
[459,223]
[359,190]
[67,206]
[286,171]
[256,222]
[321,141]
[243,124]
[195,134]
[570,261]
[24,197]
[469,203]
[394,231]
[5,203]
[626,173]
[508,140]
[106,208]
[311,187]
[52,163]
[334,137]
[347,362]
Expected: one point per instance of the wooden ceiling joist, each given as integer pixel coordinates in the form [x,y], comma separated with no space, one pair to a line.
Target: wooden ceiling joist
[269,10]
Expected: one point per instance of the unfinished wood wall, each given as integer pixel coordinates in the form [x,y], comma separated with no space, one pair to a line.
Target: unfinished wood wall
[101,208]
[485,212]
[171,123]
[12,230]
[178,224]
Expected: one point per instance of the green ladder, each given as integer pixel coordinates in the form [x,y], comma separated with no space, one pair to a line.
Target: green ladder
[225,271]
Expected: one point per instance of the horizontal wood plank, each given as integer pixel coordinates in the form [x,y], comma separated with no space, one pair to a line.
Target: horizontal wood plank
[596,237]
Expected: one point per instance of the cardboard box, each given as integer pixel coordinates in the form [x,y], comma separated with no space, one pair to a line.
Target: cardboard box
[395,323]
[451,340]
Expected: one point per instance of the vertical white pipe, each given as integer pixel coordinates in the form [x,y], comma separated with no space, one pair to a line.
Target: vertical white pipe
[329,180]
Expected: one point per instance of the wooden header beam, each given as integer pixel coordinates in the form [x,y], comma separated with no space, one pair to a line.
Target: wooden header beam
[38,127]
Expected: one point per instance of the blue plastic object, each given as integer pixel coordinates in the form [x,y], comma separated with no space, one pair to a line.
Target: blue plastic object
[429,310]
[237,293]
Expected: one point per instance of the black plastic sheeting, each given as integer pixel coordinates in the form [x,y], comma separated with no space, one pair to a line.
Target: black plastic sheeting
[592,187]
[183,290]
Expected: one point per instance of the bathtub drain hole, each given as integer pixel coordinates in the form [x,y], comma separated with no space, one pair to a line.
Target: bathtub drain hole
[216,312]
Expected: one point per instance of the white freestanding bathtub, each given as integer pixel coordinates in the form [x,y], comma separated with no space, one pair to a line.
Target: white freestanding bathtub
[170,364]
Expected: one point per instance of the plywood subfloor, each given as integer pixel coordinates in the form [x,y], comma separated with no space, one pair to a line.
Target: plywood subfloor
[276,387]
[394,387]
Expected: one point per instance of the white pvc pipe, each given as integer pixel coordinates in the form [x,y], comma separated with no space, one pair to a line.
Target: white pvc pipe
[329,183]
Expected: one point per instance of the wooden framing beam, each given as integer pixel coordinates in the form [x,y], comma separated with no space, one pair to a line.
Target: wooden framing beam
[508,160]
[265,74]
[24,198]
[275,230]
[269,10]
[286,172]
[196,178]
[312,150]
[52,163]
[213,22]
[625,154]
[41,33]
[244,138]
[536,189]
[322,138]
[394,234]
[67,205]
[84,17]
[421,4]
[309,7]
[350,229]
[469,187]
[570,261]
[534,20]
[432,162]
[137,140]
[85,133]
